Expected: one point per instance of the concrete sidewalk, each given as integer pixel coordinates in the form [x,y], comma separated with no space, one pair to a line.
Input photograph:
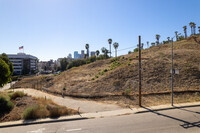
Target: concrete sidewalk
[100,114]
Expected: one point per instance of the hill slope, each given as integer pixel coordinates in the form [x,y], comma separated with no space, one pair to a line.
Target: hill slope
[119,75]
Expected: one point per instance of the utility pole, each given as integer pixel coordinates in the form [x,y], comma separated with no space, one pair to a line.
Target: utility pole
[172,76]
[140,77]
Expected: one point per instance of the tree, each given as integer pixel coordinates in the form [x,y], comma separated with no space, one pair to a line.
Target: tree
[168,39]
[176,34]
[147,44]
[185,30]
[110,42]
[87,48]
[97,53]
[63,64]
[6,69]
[142,45]
[6,59]
[192,27]
[152,44]
[105,51]
[157,38]
[129,52]
[199,29]
[116,45]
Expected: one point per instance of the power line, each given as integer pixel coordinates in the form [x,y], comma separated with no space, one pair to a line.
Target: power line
[124,49]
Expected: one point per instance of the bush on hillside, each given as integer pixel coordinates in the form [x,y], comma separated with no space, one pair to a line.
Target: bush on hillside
[35,112]
[17,94]
[5,104]
[136,50]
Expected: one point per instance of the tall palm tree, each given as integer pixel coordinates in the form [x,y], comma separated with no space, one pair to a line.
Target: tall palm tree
[191,26]
[185,30]
[168,39]
[142,45]
[199,29]
[97,53]
[157,38]
[147,44]
[110,42]
[194,28]
[116,45]
[87,48]
[176,34]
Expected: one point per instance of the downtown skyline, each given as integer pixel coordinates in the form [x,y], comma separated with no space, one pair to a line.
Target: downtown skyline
[53,29]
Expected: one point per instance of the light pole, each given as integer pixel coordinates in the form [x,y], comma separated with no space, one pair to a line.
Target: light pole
[110,42]
[172,73]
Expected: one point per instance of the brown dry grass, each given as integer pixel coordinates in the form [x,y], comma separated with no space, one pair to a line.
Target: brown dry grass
[156,77]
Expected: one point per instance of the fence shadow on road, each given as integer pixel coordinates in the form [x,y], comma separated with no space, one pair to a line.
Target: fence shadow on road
[186,124]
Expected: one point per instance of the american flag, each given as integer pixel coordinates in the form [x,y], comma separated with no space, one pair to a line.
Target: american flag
[21,47]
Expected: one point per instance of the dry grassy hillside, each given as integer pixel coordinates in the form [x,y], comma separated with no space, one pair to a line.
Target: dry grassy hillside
[119,75]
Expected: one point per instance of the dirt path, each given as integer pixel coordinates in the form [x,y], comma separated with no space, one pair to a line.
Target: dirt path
[85,105]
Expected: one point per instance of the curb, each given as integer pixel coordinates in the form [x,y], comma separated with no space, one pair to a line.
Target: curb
[40,121]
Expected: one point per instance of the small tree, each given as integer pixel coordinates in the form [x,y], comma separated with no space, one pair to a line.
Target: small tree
[157,38]
[63,64]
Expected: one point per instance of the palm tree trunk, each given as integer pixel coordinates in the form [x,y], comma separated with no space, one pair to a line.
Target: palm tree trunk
[115,52]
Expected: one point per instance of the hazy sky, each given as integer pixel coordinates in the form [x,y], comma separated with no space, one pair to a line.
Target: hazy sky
[50,29]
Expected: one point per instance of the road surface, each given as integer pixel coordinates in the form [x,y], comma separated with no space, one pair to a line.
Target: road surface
[183,120]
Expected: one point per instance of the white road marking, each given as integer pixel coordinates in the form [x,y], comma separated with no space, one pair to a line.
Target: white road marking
[37,131]
[71,130]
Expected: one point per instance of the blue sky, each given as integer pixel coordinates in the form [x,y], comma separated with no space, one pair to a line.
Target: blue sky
[50,29]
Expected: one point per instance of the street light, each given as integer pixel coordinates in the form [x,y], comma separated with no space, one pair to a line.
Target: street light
[110,42]
[172,72]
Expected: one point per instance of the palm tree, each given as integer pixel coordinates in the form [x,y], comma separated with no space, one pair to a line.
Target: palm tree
[152,44]
[97,53]
[110,42]
[147,44]
[142,46]
[185,30]
[157,38]
[176,34]
[116,45]
[105,51]
[168,39]
[191,25]
[87,48]
[199,29]
[194,28]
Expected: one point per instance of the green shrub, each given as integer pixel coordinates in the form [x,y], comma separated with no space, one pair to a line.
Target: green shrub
[127,92]
[136,50]
[136,56]
[92,78]
[5,104]
[35,112]
[130,59]
[96,76]
[105,70]
[101,73]
[17,94]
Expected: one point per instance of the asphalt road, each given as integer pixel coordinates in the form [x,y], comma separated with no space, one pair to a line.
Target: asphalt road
[183,120]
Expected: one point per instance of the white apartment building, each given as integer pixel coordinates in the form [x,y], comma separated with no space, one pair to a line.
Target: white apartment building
[23,63]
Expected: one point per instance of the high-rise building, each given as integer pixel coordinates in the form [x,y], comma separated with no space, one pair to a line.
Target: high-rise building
[76,55]
[69,56]
[23,63]
[92,53]
[82,54]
